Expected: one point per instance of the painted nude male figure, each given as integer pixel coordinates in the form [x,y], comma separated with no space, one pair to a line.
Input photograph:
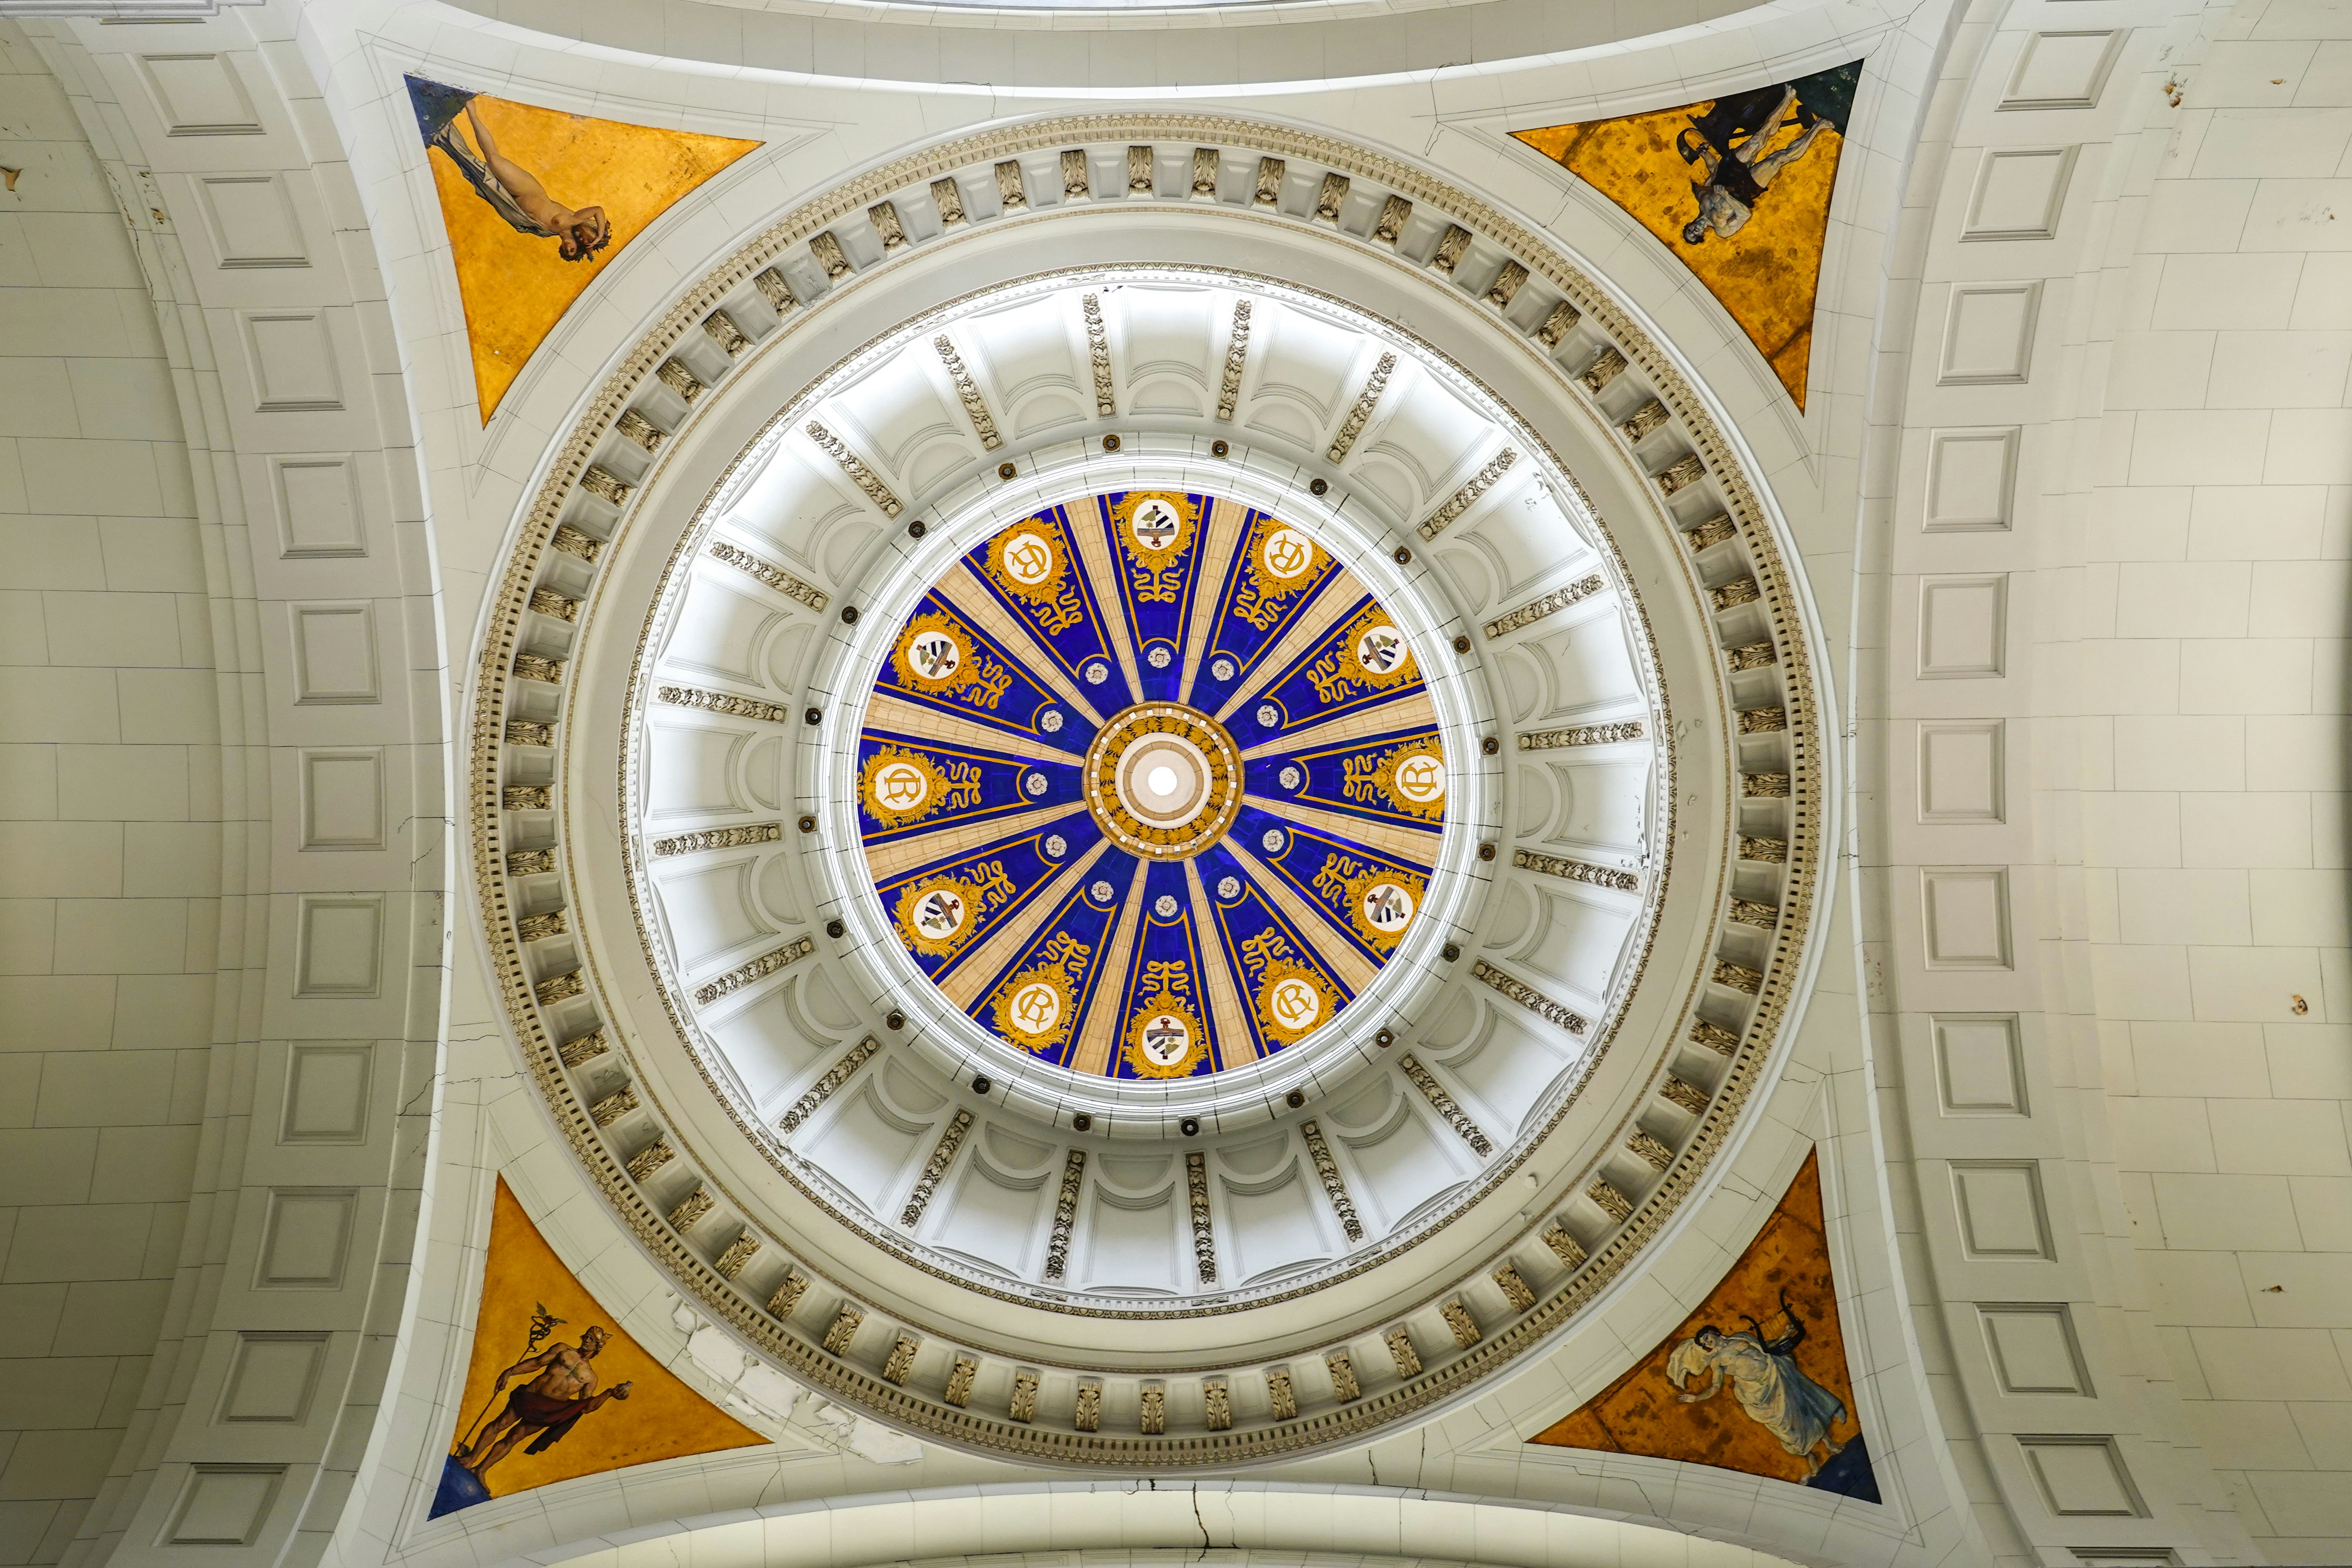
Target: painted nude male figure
[564,1391]
[1728,143]
[1767,1382]
[514,192]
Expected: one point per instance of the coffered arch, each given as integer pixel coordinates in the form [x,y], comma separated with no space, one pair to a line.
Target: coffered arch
[311,688]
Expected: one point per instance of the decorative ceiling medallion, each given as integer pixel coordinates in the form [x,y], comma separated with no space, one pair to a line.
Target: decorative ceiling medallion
[1150,874]
[1163,781]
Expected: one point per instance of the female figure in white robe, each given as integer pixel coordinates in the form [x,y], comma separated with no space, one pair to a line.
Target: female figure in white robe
[1767,1383]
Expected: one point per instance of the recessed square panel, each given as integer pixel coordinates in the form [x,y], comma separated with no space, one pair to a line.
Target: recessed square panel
[2018,193]
[317,506]
[2032,1349]
[199,94]
[223,1505]
[292,358]
[339,945]
[250,221]
[270,1379]
[334,653]
[1964,626]
[1988,333]
[305,1238]
[1964,913]
[327,1094]
[2063,69]
[342,798]
[1971,479]
[2083,1477]
[1962,777]
[1979,1064]
[2001,1212]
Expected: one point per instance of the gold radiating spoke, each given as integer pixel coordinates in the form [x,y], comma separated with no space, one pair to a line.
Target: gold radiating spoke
[1413,846]
[887,860]
[1098,1036]
[1228,1016]
[1090,536]
[964,986]
[1223,532]
[901,716]
[1414,710]
[963,589]
[1339,597]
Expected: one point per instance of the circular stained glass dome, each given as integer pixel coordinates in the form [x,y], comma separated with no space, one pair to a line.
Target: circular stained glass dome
[1151,786]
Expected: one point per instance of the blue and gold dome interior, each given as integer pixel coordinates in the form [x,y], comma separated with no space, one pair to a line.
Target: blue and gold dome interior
[1151,786]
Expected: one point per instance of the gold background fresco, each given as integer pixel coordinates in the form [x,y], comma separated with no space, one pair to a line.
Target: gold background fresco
[661,1419]
[1639,1414]
[1767,273]
[514,286]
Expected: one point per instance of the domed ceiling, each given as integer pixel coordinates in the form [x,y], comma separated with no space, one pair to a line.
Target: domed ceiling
[1091,859]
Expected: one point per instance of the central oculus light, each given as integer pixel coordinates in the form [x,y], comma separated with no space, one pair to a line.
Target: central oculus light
[1164,781]
[1149,786]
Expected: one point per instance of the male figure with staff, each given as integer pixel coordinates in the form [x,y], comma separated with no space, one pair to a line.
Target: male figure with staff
[564,1390]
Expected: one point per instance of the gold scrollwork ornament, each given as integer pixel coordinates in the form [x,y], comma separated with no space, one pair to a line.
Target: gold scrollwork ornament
[938,656]
[897,787]
[1155,528]
[937,916]
[1281,562]
[1412,779]
[1030,561]
[1379,903]
[1293,1002]
[1036,1009]
[1164,1038]
[1373,652]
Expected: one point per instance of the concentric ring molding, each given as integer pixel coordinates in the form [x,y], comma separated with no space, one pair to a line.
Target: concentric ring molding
[1056,471]
[1769,684]
[1236,1097]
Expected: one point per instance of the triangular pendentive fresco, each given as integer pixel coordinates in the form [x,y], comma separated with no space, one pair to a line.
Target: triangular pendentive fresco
[1755,1380]
[554,1390]
[1739,188]
[537,202]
